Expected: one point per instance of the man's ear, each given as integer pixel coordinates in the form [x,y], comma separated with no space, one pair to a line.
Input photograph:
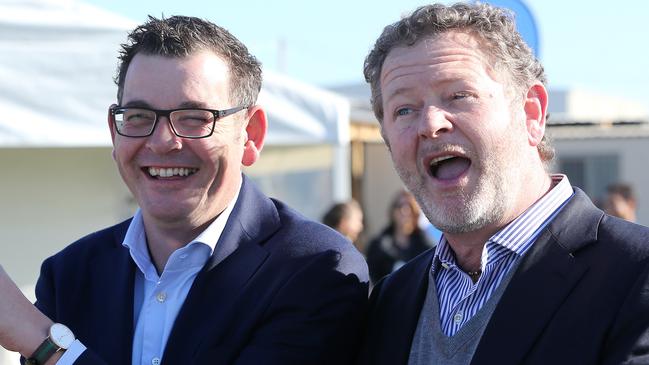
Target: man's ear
[254,135]
[111,127]
[536,106]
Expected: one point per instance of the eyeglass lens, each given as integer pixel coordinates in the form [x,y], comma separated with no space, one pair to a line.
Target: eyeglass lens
[185,123]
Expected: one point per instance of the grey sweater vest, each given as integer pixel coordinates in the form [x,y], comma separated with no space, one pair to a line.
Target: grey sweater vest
[430,346]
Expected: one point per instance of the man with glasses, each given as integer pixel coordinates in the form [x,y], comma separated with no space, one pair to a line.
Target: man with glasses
[528,270]
[209,270]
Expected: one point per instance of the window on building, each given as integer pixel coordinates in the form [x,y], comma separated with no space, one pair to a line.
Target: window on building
[591,173]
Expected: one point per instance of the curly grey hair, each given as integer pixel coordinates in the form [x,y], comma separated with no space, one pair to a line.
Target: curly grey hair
[494,27]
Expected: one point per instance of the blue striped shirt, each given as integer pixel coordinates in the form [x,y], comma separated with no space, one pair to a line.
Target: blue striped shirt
[459,298]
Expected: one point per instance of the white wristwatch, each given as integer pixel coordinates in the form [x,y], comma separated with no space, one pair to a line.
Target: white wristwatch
[59,339]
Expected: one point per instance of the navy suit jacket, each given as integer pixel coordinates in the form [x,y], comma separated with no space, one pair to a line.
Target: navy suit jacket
[291,292]
[579,296]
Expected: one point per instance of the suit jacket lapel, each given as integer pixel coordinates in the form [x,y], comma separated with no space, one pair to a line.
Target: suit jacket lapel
[253,219]
[113,312]
[398,320]
[543,279]
[237,255]
[413,305]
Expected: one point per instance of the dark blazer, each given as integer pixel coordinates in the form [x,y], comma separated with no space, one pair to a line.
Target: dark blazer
[579,296]
[291,292]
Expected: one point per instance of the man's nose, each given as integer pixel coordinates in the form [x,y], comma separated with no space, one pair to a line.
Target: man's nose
[163,139]
[434,122]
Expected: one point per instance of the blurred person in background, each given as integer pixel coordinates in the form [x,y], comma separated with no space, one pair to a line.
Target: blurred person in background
[399,242]
[347,219]
[620,201]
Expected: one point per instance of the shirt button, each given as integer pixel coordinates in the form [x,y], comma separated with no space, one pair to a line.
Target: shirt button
[161,298]
[155,361]
[457,318]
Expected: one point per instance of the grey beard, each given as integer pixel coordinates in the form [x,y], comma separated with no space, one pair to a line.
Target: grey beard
[483,207]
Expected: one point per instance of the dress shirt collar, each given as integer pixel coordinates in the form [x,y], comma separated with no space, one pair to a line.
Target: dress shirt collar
[135,239]
[517,236]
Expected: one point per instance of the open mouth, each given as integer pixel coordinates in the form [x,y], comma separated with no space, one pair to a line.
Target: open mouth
[163,172]
[448,167]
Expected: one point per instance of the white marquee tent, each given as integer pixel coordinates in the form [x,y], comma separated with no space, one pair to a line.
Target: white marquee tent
[57,58]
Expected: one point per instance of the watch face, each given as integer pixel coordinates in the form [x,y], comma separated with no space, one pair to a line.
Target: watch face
[61,336]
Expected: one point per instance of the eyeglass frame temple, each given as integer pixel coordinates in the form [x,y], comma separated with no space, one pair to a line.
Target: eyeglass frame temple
[224,113]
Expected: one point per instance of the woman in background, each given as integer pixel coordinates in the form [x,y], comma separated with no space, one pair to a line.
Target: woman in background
[400,241]
[346,218]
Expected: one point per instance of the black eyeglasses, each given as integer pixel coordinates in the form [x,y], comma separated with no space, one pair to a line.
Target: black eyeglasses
[185,122]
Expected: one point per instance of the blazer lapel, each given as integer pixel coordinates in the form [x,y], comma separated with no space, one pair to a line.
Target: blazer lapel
[113,312]
[547,274]
[398,320]
[237,256]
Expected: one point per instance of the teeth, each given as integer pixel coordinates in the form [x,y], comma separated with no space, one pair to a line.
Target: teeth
[171,171]
[437,160]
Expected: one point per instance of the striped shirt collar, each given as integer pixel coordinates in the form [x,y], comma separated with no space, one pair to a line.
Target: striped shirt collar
[517,236]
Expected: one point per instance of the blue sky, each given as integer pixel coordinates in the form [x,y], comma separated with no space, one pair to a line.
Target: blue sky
[597,45]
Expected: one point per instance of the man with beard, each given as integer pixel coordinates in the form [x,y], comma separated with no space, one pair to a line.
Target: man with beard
[528,271]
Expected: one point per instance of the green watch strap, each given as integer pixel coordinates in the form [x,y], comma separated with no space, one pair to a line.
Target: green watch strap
[42,353]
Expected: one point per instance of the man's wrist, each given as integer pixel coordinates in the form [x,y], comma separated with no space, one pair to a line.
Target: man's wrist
[55,358]
[58,339]
[34,336]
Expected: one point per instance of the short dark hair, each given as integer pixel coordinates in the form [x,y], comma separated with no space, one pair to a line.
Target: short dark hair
[622,189]
[181,36]
[338,212]
[492,26]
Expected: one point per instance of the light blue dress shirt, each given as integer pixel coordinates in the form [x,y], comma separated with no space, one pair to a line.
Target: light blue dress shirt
[158,298]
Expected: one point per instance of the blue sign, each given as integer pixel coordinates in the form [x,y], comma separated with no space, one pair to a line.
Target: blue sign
[525,23]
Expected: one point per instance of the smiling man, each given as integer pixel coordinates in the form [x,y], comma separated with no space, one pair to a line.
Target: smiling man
[209,270]
[528,270]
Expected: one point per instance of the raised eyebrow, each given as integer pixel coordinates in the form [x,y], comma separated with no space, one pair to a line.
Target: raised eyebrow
[404,90]
[439,84]
[396,92]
